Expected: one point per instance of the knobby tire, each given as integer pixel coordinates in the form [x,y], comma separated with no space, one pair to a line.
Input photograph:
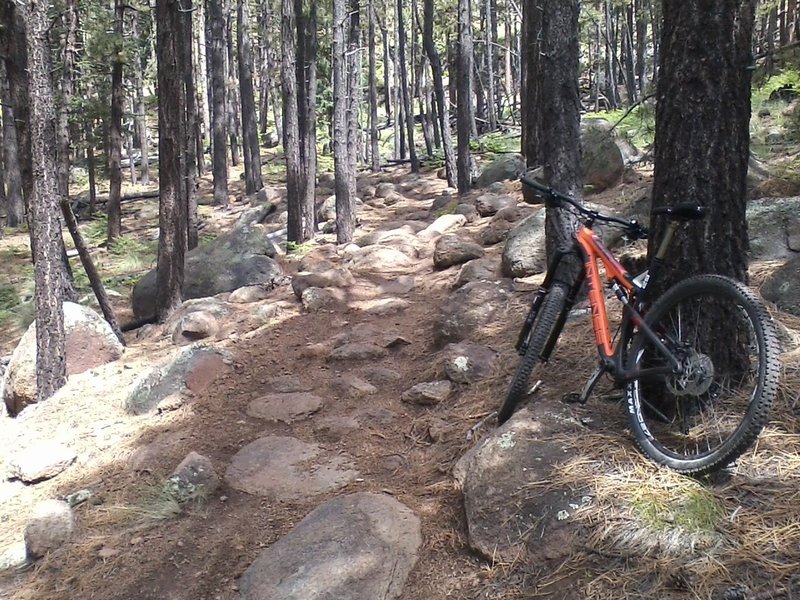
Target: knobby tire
[549,311]
[703,423]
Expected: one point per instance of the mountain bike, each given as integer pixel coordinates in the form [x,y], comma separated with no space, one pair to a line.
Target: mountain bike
[699,364]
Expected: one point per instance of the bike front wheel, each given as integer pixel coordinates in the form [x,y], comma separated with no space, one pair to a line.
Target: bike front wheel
[541,330]
[705,415]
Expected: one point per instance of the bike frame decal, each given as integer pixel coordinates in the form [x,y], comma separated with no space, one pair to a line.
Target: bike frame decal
[595,251]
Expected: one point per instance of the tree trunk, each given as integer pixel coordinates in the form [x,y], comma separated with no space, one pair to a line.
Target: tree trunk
[406,93]
[702,135]
[375,158]
[172,139]
[641,48]
[265,79]
[11,165]
[353,67]
[531,85]
[234,123]
[309,120]
[67,91]
[191,125]
[45,225]
[90,164]
[560,113]
[91,271]
[491,63]
[465,115]
[16,53]
[438,89]
[203,89]
[219,112]
[343,168]
[291,123]
[115,129]
[252,154]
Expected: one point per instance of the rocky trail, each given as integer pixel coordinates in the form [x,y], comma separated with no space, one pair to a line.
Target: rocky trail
[327,433]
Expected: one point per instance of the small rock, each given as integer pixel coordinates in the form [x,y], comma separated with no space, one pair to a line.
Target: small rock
[429,393]
[358,351]
[454,250]
[193,478]
[285,407]
[195,326]
[51,525]
[247,294]
[41,461]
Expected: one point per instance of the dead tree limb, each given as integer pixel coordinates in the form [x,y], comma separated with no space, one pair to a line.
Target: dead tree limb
[91,270]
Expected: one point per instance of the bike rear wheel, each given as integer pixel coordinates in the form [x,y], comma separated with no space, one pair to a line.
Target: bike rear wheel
[703,418]
[542,328]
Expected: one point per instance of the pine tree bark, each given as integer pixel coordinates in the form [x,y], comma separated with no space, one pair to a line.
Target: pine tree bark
[438,90]
[343,168]
[16,101]
[406,93]
[45,224]
[308,120]
[375,158]
[531,84]
[219,113]
[291,123]
[115,129]
[559,103]
[465,121]
[702,134]
[172,217]
[67,91]
[234,123]
[15,200]
[190,125]
[252,154]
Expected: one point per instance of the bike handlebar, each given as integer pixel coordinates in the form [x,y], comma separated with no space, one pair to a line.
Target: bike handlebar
[554,198]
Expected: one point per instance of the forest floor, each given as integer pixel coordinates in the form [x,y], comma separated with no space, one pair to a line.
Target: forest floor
[128,547]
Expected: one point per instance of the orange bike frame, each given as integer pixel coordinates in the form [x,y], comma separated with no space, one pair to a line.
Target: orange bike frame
[593,252]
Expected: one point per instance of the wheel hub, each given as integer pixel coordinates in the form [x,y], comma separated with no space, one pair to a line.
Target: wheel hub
[696,376]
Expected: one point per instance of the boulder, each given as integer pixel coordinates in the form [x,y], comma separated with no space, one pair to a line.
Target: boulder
[489,204]
[51,525]
[500,519]
[772,225]
[470,313]
[783,287]
[89,343]
[286,469]
[481,269]
[469,363]
[525,252]
[601,158]
[507,166]
[243,256]
[354,547]
[191,368]
[40,461]
[455,250]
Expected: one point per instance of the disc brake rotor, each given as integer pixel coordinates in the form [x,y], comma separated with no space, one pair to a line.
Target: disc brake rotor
[695,377]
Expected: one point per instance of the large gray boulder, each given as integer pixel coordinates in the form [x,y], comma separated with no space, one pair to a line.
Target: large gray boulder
[783,287]
[508,166]
[241,257]
[525,252]
[504,508]
[601,157]
[192,368]
[90,342]
[774,228]
[356,547]
[470,313]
